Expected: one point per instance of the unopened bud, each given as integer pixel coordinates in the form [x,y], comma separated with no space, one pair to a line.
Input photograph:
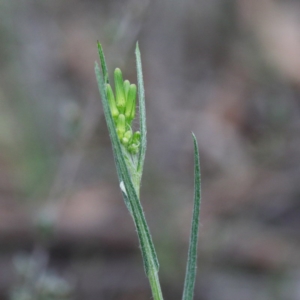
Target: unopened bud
[126,88]
[127,137]
[119,87]
[133,148]
[136,138]
[128,134]
[121,126]
[130,103]
[125,141]
[111,101]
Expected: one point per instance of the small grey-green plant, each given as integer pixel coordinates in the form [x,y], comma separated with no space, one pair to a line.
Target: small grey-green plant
[34,280]
[129,150]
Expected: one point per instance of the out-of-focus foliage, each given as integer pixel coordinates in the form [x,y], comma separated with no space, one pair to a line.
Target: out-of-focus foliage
[36,282]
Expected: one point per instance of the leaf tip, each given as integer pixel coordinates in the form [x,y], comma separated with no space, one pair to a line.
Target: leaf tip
[194,136]
[137,48]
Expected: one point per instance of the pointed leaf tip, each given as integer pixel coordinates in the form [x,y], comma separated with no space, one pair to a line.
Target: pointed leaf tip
[190,275]
[137,48]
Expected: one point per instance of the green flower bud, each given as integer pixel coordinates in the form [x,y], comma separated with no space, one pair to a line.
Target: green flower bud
[111,101]
[127,137]
[136,138]
[121,125]
[128,134]
[133,148]
[130,103]
[125,141]
[126,88]
[119,87]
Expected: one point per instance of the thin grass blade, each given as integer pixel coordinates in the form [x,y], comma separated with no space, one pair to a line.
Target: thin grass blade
[103,63]
[142,109]
[191,269]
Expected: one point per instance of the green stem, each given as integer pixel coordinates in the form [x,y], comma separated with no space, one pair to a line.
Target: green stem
[155,285]
[135,175]
[153,274]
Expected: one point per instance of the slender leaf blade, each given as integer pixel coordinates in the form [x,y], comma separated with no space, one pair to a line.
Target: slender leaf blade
[103,63]
[142,109]
[110,126]
[191,269]
[106,80]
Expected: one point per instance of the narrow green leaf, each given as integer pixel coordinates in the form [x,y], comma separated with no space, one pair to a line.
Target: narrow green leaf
[142,110]
[102,93]
[148,252]
[191,269]
[103,63]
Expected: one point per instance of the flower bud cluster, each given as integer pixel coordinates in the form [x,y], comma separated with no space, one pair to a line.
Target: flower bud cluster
[122,105]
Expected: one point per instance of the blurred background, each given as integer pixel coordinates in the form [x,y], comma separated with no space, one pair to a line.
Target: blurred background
[228,70]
